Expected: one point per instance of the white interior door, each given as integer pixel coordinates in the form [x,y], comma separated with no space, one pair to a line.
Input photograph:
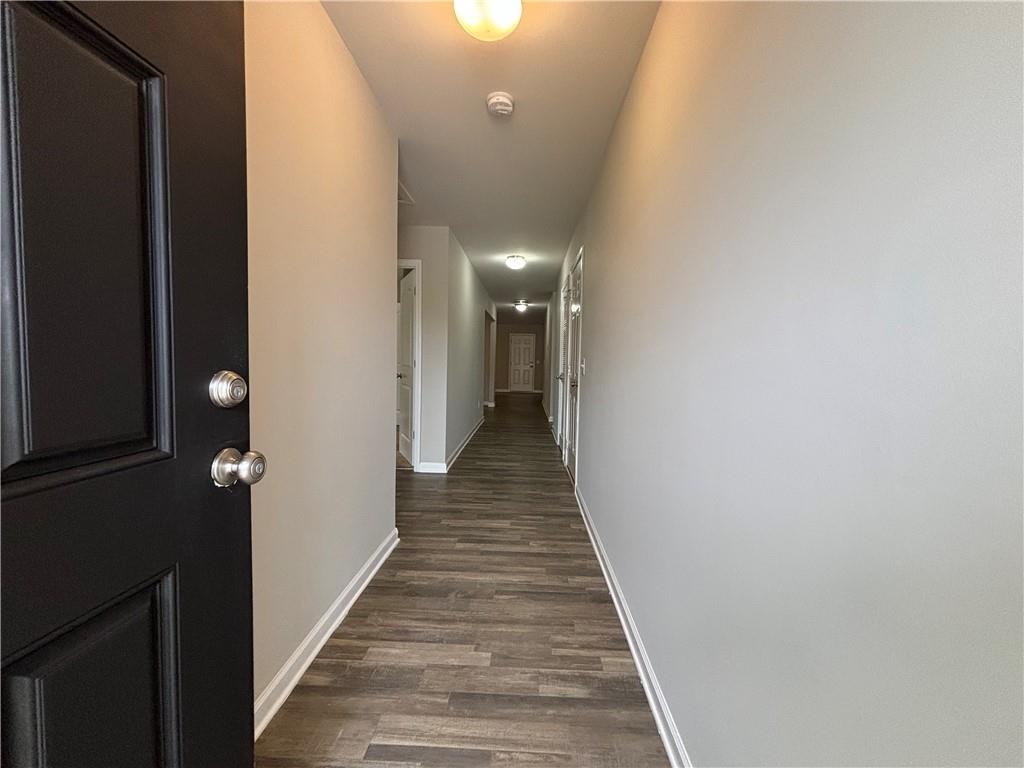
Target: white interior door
[520,369]
[406,334]
[575,327]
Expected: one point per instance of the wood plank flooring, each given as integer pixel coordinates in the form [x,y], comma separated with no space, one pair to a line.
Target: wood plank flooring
[487,639]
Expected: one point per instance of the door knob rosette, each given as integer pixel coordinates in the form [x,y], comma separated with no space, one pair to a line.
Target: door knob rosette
[231,466]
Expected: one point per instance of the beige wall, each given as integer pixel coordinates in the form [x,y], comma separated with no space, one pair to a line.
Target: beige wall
[322,170]
[800,434]
[501,359]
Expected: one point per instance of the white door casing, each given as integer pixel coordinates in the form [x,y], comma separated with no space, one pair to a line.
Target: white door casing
[398,358]
[575,323]
[522,355]
[406,364]
[563,363]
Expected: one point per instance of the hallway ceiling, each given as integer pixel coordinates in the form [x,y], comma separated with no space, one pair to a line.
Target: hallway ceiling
[514,185]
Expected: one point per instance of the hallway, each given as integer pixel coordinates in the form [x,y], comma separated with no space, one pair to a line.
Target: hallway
[488,638]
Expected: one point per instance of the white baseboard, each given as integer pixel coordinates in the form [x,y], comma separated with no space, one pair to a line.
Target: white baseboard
[274,695]
[458,451]
[488,403]
[502,390]
[431,467]
[659,706]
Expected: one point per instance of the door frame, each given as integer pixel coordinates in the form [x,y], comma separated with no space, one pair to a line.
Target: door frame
[562,347]
[416,265]
[533,361]
[566,300]
[490,356]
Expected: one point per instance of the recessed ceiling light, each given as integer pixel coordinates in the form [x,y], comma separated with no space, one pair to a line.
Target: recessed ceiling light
[521,305]
[515,261]
[489,20]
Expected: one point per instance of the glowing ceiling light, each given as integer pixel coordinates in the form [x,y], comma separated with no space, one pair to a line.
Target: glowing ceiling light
[489,20]
[521,305]
[515,262]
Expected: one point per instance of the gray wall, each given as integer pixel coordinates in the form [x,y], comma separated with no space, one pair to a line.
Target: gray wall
[801,417]
[430,246]
[322,222]
[453,305]
[468,300]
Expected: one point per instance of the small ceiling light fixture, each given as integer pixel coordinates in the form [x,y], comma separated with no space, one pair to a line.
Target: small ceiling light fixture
[515,261]
[521,305]
[489,20]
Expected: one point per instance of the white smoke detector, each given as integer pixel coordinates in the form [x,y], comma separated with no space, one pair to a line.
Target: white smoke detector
[500,103]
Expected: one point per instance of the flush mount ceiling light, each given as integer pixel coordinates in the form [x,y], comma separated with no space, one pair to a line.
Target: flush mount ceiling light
[488,20]
[521,305]
[515,261]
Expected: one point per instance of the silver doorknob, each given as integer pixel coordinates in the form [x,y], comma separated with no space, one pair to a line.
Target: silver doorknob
[227,389]
[230,466]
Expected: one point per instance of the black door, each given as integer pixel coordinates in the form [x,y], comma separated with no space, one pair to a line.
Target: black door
[126,574]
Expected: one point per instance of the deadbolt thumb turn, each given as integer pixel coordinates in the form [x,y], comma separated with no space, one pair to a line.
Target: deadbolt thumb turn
[230,466]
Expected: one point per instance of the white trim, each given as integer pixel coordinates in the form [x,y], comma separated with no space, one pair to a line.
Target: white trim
[501,390]
[458,451]
[439,468]
[659,706]
[522,391]
[404,197]
[417,354]
[276,692]
[432,467]
[491,332]
[570,351]
[489,404]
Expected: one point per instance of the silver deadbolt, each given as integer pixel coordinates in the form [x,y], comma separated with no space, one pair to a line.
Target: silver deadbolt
[230,466]
[227,389]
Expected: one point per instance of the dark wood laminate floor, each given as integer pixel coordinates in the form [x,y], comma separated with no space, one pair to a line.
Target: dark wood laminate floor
[487,639]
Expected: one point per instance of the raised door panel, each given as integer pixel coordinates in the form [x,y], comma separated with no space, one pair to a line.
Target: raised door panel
[101,693]
[86,377]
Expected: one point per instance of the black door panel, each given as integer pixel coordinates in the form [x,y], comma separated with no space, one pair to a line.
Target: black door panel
[126,575]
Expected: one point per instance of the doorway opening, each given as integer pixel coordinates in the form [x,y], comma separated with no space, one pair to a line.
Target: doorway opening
[407,379]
